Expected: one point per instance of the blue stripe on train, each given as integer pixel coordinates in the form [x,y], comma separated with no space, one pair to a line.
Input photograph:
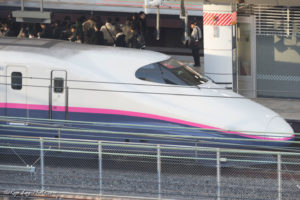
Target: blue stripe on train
[150,126]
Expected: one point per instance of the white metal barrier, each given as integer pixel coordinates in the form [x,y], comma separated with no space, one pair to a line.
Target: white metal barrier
[156,171]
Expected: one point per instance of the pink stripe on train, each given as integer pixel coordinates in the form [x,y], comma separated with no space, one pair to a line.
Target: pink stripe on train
[133,114]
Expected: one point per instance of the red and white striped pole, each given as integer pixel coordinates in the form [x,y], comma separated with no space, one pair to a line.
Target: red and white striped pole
[219,19]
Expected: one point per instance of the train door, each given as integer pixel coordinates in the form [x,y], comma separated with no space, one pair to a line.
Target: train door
[58,95]
[16,91]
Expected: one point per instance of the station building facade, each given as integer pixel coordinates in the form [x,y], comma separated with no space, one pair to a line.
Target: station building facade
[269,50]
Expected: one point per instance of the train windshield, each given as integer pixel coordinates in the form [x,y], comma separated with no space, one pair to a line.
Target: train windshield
[170,72]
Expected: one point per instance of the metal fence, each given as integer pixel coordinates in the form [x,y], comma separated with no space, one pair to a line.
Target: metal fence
[30,166]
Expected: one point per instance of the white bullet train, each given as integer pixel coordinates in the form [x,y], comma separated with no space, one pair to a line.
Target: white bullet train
[126,90]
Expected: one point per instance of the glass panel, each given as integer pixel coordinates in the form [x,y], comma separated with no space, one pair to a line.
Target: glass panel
[278,68]
[244,48]
[150,73]
[58,85]
[170,72]
[16,80]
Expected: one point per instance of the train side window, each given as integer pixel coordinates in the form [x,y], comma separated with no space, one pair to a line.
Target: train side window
[16,80]
[170,72]
[58,85]
[150,73]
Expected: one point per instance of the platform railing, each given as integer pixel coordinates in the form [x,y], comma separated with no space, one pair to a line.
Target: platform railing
[102,168]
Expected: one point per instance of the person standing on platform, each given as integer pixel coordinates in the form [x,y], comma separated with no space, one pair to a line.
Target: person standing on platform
[56,29]
[120,38]
[109,32]
[73,34]
[45,31]
[126,29]
[142,29]
[97,37]
[87,28]
[195,43]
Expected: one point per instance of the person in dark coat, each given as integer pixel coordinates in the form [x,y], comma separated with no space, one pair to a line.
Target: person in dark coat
[97,35]
[56,30]
[120,38]
[73,34]
[133,38]
[87,28]
[13,26]
[117,23]
[194,43]
[65,31]
[79,28]
[135,21]
[45,31]
[142,24]
[7,31]
[142,28]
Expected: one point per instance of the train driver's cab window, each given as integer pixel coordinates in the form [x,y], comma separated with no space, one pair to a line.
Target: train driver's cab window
[170,72]
[58,85]
[16,80]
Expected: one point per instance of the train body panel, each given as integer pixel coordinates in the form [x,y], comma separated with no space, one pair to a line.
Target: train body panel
[63,80]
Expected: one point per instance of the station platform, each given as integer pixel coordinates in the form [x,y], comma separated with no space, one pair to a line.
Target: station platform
[287,108]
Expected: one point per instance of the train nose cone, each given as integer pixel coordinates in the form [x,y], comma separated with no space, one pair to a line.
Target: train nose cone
[279,129]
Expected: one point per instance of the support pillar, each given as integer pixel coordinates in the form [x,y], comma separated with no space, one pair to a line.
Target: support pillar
[219,28]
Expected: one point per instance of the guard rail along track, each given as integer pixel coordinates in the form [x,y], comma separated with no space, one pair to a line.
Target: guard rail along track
[60,167]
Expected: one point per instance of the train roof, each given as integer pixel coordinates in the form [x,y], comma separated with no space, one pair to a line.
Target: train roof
[72,52]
